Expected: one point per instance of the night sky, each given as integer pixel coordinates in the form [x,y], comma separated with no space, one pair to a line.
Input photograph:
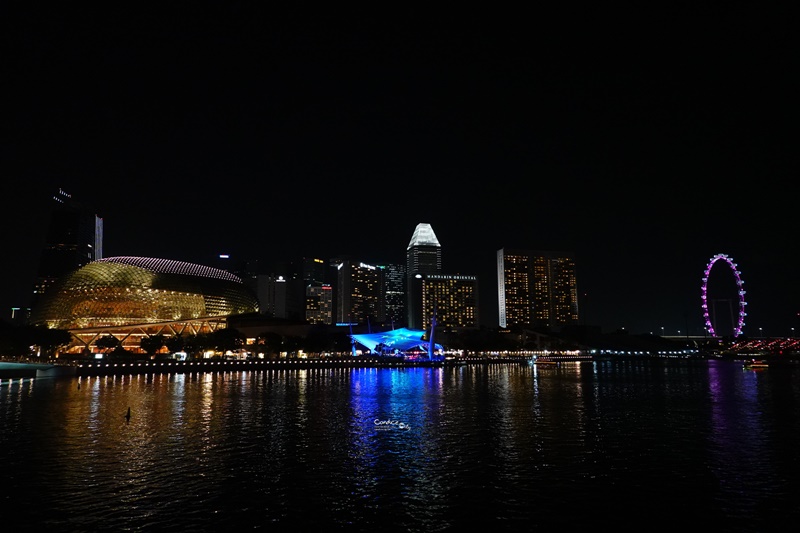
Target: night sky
[643,146]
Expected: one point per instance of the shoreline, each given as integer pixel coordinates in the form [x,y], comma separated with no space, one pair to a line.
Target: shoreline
[17,370]
[11,370]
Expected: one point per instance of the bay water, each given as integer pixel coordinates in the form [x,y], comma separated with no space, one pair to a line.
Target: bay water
[633,445]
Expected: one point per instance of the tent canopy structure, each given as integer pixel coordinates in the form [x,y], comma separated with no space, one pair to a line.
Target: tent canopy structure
[401,340]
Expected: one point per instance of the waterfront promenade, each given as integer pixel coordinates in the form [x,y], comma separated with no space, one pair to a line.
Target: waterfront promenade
[11,370]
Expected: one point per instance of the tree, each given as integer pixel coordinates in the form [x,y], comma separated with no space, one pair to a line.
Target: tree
[15,340]
[291,345]
[196,344]
[152,344]
[107,343]
[120,353]
[318,340]
[227,339]
[175,344]
[22,341]
[49,340]
[343,343]
[271,343]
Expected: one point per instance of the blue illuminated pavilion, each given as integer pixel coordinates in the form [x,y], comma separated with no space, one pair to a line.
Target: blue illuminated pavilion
[397,340]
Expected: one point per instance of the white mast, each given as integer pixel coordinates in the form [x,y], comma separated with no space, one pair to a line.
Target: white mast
[352,339]
[431,344]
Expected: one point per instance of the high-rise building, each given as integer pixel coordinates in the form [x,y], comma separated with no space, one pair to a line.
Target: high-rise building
[318,293]
[423,256]
[359,297]
[74,239]
[394,290]
[314,270]
[319,304]
[452,298]
[271,291]
[536,289]
[280,288]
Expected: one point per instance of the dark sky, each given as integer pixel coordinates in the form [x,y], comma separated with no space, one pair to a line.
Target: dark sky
[644,144]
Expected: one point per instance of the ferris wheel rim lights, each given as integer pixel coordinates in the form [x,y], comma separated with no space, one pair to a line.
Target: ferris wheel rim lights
[739,283]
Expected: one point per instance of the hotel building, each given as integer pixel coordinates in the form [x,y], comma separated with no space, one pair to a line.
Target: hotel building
[536,289]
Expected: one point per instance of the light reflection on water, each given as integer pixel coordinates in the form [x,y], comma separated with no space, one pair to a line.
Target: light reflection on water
[507,447]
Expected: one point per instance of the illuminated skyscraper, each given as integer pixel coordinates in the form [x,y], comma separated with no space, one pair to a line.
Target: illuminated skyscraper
[359,299]
[452,297]
[423,256]
[74,239]
[319,295]
[536,289]
[319,304]
[394,290]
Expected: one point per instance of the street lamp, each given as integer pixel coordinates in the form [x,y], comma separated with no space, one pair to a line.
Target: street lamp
[760,332]
[662,331]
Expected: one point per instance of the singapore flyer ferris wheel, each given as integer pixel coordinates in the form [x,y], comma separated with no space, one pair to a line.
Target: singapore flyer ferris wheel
[709,307]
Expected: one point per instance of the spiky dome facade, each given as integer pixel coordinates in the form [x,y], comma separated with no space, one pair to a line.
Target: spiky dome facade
[121,291]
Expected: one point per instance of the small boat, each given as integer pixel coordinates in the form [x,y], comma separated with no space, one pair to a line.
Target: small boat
[756,363]
[535,360]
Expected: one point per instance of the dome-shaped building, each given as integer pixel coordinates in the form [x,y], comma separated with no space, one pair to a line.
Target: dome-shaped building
[125,295]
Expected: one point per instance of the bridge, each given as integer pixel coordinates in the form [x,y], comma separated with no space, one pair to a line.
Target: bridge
[12,370]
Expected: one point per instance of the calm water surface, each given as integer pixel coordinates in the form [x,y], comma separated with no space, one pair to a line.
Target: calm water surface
[632,445]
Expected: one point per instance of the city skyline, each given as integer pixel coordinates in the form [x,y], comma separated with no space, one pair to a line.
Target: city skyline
[192,139]
[663,330]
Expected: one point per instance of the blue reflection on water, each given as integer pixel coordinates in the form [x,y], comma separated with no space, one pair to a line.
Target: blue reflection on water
[503,447]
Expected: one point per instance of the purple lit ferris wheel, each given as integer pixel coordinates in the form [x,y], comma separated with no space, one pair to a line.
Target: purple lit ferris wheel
[739,284]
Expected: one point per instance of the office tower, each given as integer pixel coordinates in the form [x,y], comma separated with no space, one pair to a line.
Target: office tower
[280,288]
[318,293]
[536,289]
[452,297]
[359,298]
[74,239]
[394,290]
[314,270]
[319,303]
[271,293]
[423,256]
[280,297]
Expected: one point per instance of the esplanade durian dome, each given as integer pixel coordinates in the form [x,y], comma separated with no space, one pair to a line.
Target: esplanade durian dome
[122,291]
